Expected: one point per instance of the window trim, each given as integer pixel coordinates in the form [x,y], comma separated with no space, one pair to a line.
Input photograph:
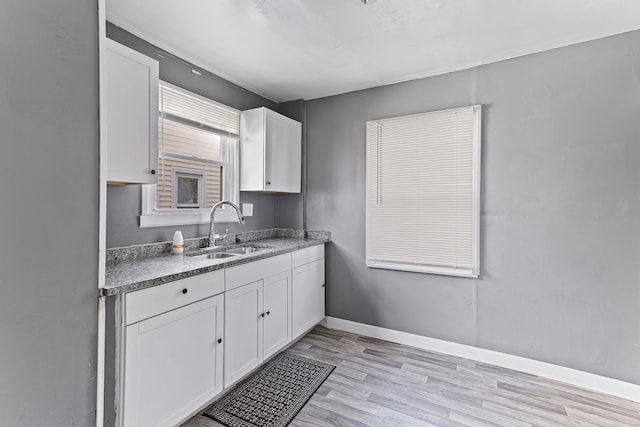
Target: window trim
[474,271]
[151,217]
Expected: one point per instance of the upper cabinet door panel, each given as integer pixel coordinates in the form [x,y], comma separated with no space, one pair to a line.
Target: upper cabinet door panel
[252,150]
[283,154]
[131,102]
[270,152]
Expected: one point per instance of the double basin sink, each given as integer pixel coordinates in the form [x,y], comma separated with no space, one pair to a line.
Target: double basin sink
[220,252]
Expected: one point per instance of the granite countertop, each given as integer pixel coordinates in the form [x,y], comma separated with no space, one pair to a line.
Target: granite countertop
[137,267]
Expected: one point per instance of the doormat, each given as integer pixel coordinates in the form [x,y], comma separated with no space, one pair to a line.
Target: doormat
[271,396]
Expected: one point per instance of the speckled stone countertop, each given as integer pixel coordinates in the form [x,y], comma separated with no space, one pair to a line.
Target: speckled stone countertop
[137,267]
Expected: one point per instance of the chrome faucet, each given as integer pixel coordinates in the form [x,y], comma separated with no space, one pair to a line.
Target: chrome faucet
[212,225]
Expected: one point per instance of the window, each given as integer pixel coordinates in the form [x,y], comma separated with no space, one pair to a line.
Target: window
[188,188]
[188,150]
[423,192]
[198,160]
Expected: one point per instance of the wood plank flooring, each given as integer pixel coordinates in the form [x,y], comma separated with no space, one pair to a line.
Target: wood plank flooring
[378,383]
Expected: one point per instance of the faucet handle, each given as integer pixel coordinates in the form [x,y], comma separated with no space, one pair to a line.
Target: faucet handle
[217,236]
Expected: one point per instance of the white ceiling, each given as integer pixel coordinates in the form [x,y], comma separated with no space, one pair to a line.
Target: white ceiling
[293,49]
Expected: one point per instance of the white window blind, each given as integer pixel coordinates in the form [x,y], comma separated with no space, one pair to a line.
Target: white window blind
[179,104]
[423,192]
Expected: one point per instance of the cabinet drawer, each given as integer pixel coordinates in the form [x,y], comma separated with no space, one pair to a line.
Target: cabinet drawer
[307,255]
[256,270]
[150,302]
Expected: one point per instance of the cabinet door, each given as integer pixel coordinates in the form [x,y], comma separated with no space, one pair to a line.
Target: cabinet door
[131,102]
[283,153]
[252,125]
[277,320]
[243,331]
[308,296]
[173,364]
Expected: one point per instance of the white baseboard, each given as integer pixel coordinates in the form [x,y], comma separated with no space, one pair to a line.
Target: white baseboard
[574,377]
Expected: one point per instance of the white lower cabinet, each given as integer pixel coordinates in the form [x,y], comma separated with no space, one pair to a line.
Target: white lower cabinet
[308,289]
[277,309]
[243,330]
[257,322]
[184,341]
[173,363]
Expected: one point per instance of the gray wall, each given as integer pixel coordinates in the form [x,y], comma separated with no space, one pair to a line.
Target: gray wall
[560,221]
[291,206]
[124,206]
[123,202]
[49,181]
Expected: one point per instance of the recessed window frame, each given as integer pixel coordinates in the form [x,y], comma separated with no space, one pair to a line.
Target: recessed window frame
[474,270]
[152,217]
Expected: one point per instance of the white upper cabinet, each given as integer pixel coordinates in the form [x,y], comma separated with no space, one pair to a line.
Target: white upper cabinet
[270,152]
[131,103]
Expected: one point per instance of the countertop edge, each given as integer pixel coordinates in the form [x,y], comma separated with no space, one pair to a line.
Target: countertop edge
[145,284]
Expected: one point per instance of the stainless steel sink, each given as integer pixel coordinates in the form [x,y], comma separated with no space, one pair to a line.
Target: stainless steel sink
[244,250]
[219,252]
[216,255]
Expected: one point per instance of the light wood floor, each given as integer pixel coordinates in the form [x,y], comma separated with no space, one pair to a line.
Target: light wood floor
[378,383]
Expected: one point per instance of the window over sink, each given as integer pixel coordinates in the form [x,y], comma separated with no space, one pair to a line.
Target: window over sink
[197,160]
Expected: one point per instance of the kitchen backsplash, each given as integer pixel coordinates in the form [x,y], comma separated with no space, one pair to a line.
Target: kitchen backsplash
[126,253]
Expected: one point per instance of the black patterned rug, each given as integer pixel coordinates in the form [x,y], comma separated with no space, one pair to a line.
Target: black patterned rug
[271,396]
